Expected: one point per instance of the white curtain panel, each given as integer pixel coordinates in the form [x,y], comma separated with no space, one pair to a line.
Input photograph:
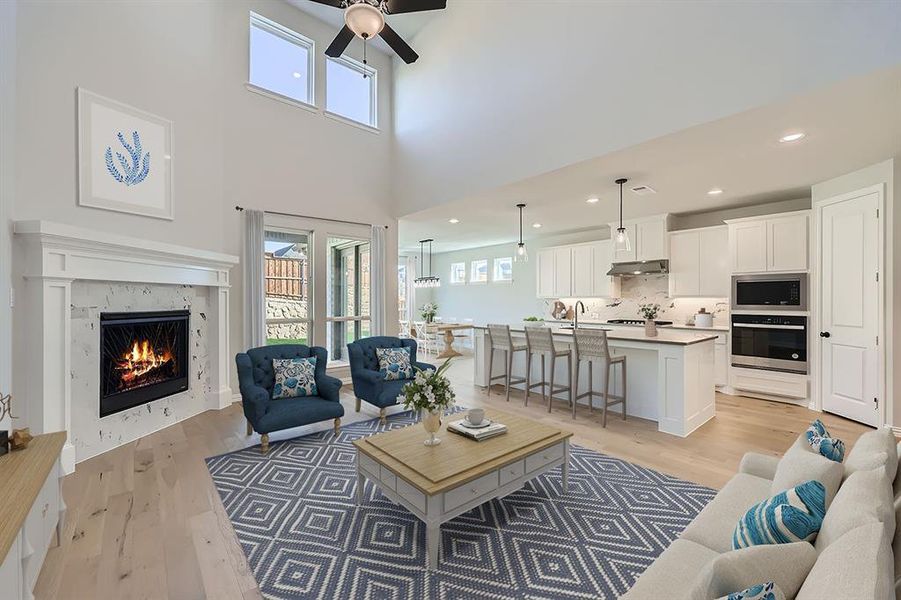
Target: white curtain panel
[377,278]
[254,294]
[411,289]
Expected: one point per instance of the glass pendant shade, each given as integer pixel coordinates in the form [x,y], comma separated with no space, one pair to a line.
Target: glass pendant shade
[621,241]
[364,19]
[522,255]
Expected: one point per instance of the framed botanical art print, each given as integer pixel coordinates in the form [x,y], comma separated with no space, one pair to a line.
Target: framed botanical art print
[125,158]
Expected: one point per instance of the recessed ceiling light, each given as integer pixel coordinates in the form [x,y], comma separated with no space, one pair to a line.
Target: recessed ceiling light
[715,192]
[792,137]
[454,221]
[593,200]
[536,225]
[296,75]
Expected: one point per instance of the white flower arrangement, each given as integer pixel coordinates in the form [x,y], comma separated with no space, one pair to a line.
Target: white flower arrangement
[429,390]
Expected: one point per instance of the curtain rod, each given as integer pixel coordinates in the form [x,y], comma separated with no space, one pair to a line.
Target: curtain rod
[284,214]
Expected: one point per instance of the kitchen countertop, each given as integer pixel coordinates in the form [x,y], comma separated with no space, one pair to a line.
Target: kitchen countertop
[665,335]
[605,324]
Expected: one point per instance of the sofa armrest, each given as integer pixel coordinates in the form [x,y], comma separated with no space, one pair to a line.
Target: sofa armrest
[370,377]
[759,465]
[254,400]
[424,366]
[329,387]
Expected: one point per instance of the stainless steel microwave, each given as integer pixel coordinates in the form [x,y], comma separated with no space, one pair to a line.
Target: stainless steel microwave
[769,292]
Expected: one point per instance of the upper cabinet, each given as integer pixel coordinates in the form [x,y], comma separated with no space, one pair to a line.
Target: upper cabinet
[699,263]
[578,270]
[547,271]
[774,243]
[648,239]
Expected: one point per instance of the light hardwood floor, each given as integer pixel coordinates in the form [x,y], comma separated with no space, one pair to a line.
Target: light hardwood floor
[145,521]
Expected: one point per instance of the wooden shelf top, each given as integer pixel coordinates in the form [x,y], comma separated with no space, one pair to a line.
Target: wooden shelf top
[22,475]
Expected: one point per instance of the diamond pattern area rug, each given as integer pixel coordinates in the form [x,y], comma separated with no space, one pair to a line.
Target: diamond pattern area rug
[295,517]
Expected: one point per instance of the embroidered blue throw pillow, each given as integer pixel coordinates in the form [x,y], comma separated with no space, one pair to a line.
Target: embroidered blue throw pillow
[294,377]
[394,363]
[819,439]
[762,591]
[790,516]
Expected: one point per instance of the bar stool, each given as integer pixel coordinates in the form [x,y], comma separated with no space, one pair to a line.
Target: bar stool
[540,341]
[499,338]
[592,346]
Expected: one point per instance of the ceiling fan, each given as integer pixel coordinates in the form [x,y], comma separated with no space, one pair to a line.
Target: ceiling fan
[366,19]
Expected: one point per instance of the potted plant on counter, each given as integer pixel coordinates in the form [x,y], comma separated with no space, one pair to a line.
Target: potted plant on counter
[649,312]
[430,393]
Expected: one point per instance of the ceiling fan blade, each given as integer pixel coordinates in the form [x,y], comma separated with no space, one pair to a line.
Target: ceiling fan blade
[398,45]
[340,43]
[396,7]
[335,3]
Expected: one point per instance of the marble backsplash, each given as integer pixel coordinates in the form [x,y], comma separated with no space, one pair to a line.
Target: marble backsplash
[647,289]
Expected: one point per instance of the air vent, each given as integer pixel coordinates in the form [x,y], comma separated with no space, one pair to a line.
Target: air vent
[643,190]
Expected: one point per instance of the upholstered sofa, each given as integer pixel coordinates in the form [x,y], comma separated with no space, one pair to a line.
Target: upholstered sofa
[852,557]
[369,384]
[256,378]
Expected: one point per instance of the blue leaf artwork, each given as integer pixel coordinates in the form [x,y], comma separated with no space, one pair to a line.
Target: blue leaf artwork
[135,168]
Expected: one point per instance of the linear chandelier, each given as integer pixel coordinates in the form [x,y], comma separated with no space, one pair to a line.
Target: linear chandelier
[426,281]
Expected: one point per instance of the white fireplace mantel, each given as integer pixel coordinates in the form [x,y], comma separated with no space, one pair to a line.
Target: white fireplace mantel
[57,254]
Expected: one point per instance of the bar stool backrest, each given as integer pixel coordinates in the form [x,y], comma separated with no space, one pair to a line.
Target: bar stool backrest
[539,339]
[591,344]
[499,337]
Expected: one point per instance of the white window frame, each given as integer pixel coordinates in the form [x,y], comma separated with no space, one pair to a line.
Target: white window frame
[373,75]
[494,269]
[451,278]
[292,37]
[472,271]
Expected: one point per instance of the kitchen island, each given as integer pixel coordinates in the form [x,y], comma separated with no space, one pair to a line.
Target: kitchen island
[670,376]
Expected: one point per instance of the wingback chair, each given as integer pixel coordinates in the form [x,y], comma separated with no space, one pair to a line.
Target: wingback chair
[256,377]
[369,384]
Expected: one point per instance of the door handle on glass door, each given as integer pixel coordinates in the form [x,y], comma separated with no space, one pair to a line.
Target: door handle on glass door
[825,334]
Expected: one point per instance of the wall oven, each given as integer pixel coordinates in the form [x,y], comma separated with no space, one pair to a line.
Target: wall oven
[770,342]
[770,292]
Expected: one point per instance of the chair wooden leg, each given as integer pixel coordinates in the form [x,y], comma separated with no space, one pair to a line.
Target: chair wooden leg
[550,396]
[590,386]
[358,405]
[572,386]
[624,390]
[337,425]
[543,380]
[509,355]
[382,414]
[528,377]
[606,393]
[264,443]
[249,428]
[490,369]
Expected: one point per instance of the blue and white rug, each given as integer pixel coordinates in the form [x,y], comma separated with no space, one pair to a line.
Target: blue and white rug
[295,516]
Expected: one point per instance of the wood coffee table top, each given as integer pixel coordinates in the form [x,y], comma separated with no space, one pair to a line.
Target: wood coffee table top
[434,469]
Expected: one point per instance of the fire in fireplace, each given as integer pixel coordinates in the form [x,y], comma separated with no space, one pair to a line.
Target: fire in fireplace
[143,357]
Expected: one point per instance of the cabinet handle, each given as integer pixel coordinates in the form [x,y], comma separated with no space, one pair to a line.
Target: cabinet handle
[474,491]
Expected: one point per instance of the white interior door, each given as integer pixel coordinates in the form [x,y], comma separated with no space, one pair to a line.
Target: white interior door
[849,303]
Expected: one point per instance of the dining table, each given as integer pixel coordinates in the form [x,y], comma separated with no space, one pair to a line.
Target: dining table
[448,330]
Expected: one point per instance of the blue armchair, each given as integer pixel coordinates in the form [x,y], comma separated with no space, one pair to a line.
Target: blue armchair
[369,385]
[265,415]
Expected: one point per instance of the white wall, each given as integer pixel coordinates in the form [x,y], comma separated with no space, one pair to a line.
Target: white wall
[7,185]
[887,173]
[503,91]
[187,61]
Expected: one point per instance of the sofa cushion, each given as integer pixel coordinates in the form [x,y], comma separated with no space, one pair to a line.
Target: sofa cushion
[294,412]
[761,591]
[865,497]
[801,464]
[785,564]
[874,449]
[394,363]
[675,569]
[824,444]
[896,546]
[714,526]
[791,516]
[856,565]
[294,377]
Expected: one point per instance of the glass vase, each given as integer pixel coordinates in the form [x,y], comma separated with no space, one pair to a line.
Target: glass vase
[431,422]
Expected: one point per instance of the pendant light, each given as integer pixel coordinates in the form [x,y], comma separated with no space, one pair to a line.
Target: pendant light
[621,241]
[522,255]
[426,281]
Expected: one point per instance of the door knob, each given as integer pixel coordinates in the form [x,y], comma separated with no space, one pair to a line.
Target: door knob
[825,334]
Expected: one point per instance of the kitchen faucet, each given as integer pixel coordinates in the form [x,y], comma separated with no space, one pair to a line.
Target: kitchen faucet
[576,313]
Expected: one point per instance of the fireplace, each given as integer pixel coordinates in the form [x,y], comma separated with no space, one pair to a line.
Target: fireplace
[143,357]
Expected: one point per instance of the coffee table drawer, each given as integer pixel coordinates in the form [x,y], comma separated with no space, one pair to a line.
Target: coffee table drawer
[470,491]
[512,471]
[411,494]
[368,463]
[543,457]
[388,478]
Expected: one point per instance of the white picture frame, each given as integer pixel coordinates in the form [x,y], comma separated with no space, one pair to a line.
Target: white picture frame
[125,158]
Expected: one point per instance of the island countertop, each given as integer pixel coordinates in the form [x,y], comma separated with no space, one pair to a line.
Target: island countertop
[678,337]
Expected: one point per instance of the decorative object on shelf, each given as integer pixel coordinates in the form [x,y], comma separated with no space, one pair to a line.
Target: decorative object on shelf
[430,393]
[621,237]
[428,311]
[426,281]
[703,318]
[521,255]
[20,439]
[649,312]
[560,311]
[124,158]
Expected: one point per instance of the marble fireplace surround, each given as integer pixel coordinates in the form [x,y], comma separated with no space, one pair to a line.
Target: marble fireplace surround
[56,255]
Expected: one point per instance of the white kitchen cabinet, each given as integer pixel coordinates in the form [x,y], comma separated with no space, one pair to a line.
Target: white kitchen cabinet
[715,277]
[563,275]
[10,572]
[576,271]
[582,271]
[603,285]
[545,272]
[721,360]
[647,237]
[787,243]
[773,243]
[747,246]
[699,264]
[685,264]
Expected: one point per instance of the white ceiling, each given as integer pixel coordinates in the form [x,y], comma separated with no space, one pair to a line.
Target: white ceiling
[848,126]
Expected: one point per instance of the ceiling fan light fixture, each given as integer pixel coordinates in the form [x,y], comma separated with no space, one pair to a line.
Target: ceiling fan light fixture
[364,19]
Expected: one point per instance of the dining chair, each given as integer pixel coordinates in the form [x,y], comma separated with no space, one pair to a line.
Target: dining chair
[425,339]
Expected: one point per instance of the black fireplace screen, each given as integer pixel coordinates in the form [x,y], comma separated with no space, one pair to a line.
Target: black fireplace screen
[143,357]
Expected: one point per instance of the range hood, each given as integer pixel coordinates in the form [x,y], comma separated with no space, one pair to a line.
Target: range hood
[642,267]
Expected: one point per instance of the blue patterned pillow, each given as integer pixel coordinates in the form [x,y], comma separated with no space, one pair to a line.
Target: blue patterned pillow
[294,377]
[819,439]
[761,591]
[394,363]
[790,516]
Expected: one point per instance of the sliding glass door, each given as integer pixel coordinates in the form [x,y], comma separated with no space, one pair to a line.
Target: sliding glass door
[288,287]
[348,295]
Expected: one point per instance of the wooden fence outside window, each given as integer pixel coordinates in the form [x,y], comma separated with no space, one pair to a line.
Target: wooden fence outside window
[286,277]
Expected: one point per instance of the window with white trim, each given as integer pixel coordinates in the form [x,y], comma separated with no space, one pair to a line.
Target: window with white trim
[458,273]
[281,60]
[351,90]
[503,269]
[478,271]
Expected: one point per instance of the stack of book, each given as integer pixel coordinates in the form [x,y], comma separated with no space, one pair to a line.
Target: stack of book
[463,428]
